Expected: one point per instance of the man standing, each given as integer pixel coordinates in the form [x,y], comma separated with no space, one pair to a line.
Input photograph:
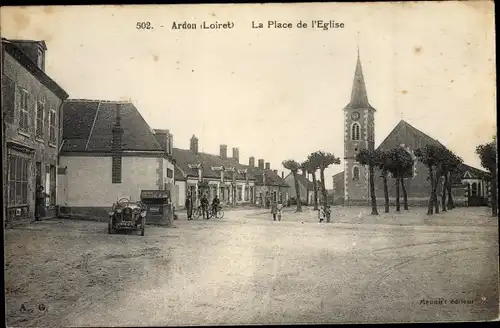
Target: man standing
[204,206]
[189,207]
[40,203]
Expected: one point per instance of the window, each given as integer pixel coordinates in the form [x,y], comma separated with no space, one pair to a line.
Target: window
[474,189]
[22,107]
[52,126]
[170,173]
[18,172]
[355,173]
[8,99]
[40,109]
[116,170]
[246,194]
[355,131]
[240,189]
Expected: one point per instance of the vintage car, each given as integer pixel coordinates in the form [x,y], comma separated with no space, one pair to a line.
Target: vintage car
[127,215]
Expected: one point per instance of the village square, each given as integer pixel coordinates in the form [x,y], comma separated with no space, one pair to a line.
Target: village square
[404,230]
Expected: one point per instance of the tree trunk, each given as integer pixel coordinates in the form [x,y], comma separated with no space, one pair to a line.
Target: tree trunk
[430,207]
[443,196]
[372,192]
[397,195]
[493,192]
[325,194]
[434,192]
[405,195]
[315,191]
[451,204]
[297,192]
[386,192]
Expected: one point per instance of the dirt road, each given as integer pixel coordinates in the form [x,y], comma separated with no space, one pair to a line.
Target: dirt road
[248,269]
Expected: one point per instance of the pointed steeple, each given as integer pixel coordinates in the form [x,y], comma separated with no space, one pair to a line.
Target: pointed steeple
[359,97]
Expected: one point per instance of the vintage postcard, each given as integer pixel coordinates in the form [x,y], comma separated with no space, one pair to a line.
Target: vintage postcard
[230,164]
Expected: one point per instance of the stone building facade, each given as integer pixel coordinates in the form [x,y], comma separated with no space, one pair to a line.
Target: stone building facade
[32,128]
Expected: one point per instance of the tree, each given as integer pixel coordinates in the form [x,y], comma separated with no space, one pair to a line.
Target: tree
[488,155]
[324,161]
[450,168]
[432,156]
[370,158]
[293,166]
[304,167]
[401,166]
[313,161]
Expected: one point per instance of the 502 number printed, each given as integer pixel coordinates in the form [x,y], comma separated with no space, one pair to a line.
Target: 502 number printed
[144,26]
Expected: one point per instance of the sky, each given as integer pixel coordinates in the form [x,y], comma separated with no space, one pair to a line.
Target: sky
[275,93]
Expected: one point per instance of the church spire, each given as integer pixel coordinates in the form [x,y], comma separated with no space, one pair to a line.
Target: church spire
[359,97]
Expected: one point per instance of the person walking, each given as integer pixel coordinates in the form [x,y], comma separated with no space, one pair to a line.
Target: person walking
[274,209]
[189,207]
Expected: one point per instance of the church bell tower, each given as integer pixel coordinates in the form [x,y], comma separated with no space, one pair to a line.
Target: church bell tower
[359,133]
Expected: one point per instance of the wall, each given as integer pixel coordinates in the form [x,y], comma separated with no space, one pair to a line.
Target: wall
[89,180]
[181,196]
[44,152]
[304,195]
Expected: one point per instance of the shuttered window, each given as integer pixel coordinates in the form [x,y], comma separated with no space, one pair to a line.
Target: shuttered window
[40,111]
[52,126]
[22,101]
[8,99]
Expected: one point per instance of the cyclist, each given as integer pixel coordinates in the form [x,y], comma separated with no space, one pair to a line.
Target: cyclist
[204,206]
[215,206]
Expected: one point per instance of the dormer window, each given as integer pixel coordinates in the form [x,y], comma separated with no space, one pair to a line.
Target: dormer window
[40,59]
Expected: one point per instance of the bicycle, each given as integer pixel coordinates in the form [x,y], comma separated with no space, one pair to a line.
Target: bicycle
[219,215]
[198,212]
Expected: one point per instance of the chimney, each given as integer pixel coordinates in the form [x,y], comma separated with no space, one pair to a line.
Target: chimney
[282,174]
[251,161]
[261,164]
[165,139]
[117,131]
[194,144]
[236,154]
[223,151]
[268,166]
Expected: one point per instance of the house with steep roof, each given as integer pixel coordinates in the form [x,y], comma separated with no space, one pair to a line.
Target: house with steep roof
[234,183]
[108,151]
[306,187]
[269,185]
[351,186]
[198,173]
[31,134]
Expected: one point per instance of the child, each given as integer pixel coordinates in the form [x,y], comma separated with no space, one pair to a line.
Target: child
[280,207]
[321,214]
[274,210]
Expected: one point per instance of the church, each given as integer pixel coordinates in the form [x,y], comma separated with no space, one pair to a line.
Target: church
[351,186]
